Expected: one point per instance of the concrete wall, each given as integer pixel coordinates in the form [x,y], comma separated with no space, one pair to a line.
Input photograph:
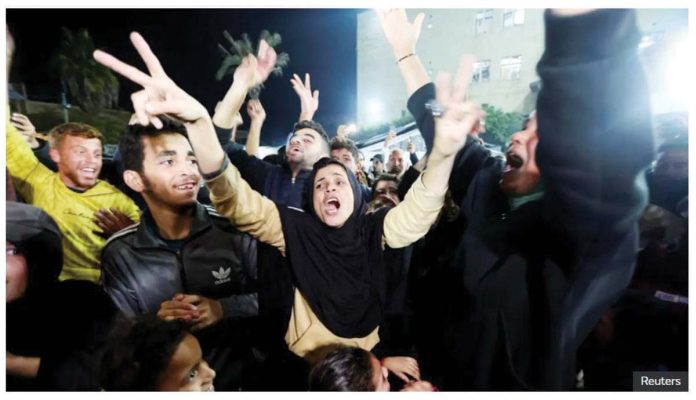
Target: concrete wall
[449,33]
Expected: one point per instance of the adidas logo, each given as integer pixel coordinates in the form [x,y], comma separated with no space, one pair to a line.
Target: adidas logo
[222,275]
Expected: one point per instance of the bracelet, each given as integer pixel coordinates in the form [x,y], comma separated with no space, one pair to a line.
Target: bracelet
[405,57]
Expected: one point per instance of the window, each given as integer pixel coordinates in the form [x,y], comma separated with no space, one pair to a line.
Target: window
[482,71]
[513,16]
[484,19]
[510,68]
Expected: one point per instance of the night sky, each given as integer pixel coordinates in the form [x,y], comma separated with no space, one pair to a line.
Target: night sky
[319,41]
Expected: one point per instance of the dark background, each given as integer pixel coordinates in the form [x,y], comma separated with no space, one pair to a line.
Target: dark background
[319,41]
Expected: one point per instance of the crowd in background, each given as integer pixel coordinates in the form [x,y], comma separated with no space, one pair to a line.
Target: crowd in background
[188,263]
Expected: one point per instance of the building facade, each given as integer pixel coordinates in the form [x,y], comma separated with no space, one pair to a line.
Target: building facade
[506,42]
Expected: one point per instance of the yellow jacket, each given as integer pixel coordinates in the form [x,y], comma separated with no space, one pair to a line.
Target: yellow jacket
[73,212]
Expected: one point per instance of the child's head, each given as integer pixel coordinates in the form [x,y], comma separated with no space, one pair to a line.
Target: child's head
[345,368]
[148,354]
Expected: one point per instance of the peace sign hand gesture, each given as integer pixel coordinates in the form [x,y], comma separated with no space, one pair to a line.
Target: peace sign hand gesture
[455,116]
[160,95]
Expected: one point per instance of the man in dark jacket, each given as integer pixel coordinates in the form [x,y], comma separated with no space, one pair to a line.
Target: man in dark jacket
[183,261]
[551,233]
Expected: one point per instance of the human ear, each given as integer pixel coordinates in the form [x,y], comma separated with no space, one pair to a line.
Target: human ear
[133,180]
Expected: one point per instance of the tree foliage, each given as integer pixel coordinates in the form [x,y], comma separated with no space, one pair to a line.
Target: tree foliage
[500,125]
[238,49]
[91,86]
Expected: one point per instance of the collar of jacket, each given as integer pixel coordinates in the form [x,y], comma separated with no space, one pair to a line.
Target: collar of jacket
[147,236]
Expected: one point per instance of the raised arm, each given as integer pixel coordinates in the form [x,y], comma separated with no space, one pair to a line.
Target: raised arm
[598,72]
[251,72]
[257,115]
[309,101]
[412,218]
[27,171]
[248,210]
[402,36]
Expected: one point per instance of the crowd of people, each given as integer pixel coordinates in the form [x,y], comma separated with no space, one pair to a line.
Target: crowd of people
[189,263]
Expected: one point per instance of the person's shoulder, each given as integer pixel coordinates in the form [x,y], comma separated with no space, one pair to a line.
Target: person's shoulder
[121,239]
[220,221]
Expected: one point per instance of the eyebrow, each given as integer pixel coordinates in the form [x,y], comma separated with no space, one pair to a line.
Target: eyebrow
[165,153]
[335,173]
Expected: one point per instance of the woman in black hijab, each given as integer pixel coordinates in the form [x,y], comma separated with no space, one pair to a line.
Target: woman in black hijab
[334,251]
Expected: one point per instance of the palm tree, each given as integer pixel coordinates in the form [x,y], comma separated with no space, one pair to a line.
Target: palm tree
[238,49]
[92,87]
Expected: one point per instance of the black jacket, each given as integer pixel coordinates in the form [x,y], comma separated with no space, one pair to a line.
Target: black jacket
[139,270]
[69,344]
[535,280]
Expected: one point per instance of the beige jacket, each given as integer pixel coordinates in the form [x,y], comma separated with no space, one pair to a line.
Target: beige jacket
[257,215]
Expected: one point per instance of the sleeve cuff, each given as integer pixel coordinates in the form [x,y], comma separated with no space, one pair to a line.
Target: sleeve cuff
[212,175]
[416,103]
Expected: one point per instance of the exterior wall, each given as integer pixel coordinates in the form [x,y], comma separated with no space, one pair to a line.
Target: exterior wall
[449,33]
[446,35]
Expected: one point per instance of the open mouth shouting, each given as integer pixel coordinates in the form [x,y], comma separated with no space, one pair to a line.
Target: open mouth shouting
[331,206]
[513,161]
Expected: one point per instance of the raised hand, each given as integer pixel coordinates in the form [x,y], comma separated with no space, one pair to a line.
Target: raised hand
[456,117]
[401,34]
[254,70]
[405,368]
[255,110]
[390,136]
[309,101]
[160,95]
[26,128]
[341,132]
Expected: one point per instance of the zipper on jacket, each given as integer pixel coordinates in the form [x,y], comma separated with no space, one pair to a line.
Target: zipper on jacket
[182,272]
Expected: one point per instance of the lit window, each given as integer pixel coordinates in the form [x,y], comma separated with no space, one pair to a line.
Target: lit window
[484,20]
[513,16]
[510,68]
[482,71]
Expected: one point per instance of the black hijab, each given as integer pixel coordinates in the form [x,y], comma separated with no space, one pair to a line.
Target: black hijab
[340,271]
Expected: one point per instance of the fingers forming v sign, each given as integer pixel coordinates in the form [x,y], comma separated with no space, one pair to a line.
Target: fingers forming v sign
[460,116]
[160,95]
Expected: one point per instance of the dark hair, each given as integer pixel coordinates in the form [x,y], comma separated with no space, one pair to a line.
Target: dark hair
[309,124]
[131,144]
[676,143]
[139,352]
[337,144]
[345,369]
[527,118]
[384,177]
